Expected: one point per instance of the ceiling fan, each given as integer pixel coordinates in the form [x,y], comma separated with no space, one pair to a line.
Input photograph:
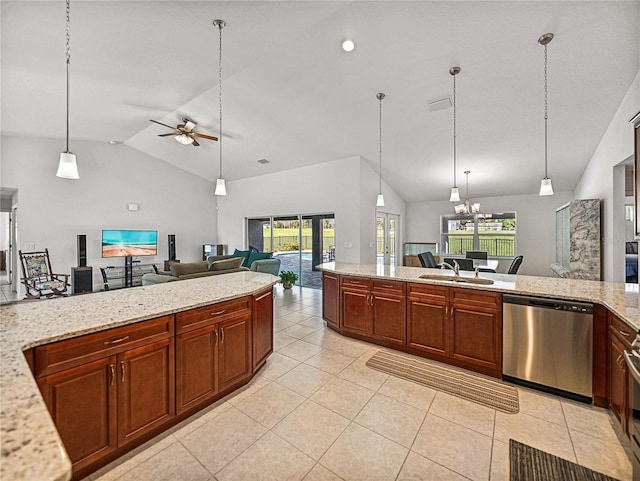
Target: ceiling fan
[184,132]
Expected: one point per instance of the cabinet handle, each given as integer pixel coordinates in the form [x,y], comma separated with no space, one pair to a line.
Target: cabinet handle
[624,333]
[216,339]
[217,313]
[387,285]
[116,341]
[446,311]
[113,374]
[222,336]
[354,282]
[121,371]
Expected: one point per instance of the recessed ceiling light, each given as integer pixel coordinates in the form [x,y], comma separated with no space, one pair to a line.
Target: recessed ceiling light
[348,45]
[114,142]
[263,161]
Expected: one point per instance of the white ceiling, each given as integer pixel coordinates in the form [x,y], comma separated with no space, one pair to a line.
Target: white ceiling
[292,96]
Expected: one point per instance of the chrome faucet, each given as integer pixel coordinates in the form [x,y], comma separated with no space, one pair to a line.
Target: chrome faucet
[455,267]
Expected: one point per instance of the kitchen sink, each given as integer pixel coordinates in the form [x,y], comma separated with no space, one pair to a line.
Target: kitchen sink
[454,278]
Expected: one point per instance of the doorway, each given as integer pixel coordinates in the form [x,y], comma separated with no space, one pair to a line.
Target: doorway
[301,242]
[387,238]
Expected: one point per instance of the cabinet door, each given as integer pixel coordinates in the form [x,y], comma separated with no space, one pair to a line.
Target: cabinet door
[356,311]
[476,336]
[618,386]
[82,403]
[146,395]
[234,351]
[331,299]
[389,321]
[428,326]
[262,314]
[196,367]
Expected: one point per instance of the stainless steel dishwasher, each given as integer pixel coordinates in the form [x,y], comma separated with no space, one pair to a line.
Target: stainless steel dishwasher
[548,345]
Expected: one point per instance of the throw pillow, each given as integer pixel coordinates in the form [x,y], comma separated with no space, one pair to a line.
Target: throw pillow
[180,269]
[243,254]
[254,256]
[226,264]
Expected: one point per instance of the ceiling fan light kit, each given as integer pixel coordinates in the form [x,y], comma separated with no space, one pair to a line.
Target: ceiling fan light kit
[380,199]
[545,184]
[67,166]
[455,193]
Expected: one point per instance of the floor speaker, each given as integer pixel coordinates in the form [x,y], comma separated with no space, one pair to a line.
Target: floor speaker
[82,250]
[172,247]
[82,280]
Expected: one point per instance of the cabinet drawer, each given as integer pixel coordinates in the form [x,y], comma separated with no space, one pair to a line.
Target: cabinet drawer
[427,292]
[621,330]
[391,287]
[204,316]
[471,297]
[62,355]
[355,282]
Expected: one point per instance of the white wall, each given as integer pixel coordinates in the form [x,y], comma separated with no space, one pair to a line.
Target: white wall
[597,181]
[536,226]
[52,211]
[332,187]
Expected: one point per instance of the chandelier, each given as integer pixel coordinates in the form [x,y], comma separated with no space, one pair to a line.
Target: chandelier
[467,207]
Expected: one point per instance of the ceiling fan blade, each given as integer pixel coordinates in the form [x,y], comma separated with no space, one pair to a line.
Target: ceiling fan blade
[164,125]
[208,137]
[195,142]
[166,135]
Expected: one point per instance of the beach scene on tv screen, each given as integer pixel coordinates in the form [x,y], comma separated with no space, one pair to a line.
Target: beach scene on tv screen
[123,243]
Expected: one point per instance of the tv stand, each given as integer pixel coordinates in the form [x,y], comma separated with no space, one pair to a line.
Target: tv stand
[130,275]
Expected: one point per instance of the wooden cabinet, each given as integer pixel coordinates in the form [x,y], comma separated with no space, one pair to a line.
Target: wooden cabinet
[620,337]
[262,314]
[374,308]
[213,350]
[331,299]
[428,318]
[105,389]
[476,328]
[464,325]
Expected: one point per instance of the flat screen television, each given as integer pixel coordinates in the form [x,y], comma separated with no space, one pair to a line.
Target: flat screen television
[129,243]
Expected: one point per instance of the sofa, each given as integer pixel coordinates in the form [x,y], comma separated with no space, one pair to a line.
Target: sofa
[213,266]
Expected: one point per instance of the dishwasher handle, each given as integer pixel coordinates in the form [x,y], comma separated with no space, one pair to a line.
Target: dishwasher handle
[546,305]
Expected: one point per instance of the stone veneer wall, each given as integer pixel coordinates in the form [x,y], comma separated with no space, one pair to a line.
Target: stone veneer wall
[585,261]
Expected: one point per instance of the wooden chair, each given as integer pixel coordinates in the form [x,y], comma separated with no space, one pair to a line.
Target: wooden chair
[38,278]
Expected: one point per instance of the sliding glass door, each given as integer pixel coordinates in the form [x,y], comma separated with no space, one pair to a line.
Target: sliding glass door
[301,242]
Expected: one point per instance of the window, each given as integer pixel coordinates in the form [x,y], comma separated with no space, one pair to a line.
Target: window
[493,233]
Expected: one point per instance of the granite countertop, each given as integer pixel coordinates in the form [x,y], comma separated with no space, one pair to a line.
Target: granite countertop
[621,299]
[31,447]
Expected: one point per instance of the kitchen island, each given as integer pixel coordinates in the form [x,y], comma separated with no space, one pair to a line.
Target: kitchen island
[31,446]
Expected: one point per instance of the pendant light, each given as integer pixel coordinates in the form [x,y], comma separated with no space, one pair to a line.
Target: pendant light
[221,189]
[455,192]
[380,200]
[467,207]
[545,183]
[67,167]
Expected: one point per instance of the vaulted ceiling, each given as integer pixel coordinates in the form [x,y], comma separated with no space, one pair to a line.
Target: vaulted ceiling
[293,96]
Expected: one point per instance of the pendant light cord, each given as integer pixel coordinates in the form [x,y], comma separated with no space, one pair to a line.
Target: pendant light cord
[455,184]
[68,57]
[546,112]
[220,93]
[380,97]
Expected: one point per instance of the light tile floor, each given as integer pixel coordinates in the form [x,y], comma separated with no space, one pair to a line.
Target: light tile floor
[315,412]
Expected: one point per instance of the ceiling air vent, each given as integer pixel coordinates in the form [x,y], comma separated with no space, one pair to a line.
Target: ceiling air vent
[440,104]
[263,161]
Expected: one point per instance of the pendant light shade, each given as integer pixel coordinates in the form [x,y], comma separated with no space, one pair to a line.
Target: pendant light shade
[546,187]
[221,188]
[380,199]
[67,166]
[455,193]
[467,207]
[220,185]
[545,183]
